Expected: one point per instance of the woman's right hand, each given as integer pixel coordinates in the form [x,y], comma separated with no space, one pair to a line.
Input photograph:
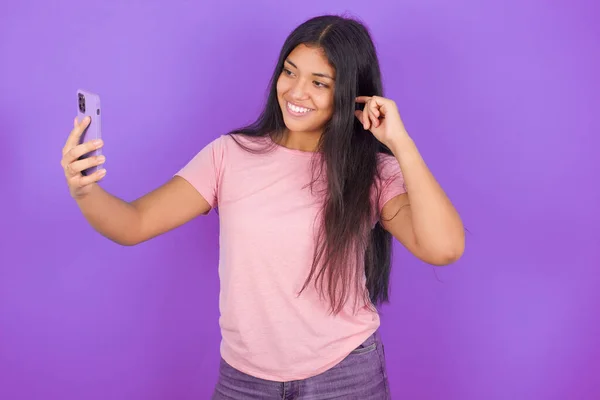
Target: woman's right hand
[79,184]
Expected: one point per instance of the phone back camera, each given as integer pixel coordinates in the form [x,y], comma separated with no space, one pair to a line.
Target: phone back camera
[81,103]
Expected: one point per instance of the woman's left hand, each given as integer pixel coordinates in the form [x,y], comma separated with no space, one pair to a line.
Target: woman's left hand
[381,117]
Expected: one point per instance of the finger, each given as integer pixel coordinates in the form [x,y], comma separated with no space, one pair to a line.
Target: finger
[80,181]
[373,111]
[380,101]
[384,105]
[374,108]
[366,121]
[373,105]
[77,166]
[76,132]
[75,152]
[360,115]
[93,178]
[66,147]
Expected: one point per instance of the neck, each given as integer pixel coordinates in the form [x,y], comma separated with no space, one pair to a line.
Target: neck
[303,141]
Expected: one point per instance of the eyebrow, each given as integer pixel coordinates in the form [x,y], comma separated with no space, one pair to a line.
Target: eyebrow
[314,73]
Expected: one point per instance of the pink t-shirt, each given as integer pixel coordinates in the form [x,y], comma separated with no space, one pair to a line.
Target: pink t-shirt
[267,215]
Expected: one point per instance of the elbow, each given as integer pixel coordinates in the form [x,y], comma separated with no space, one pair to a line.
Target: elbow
[447,258]
[122,240]
[131,237]
[449,254]
[125,242]
[132,240]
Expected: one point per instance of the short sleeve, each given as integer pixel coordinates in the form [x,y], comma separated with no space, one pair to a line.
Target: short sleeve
[391,180]
[204,170]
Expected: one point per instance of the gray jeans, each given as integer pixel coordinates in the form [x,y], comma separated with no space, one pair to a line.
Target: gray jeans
[361,375]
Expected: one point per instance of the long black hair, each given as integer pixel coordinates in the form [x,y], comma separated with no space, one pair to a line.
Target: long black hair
[348,248]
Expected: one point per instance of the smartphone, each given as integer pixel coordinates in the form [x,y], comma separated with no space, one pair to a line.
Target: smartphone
[88,105]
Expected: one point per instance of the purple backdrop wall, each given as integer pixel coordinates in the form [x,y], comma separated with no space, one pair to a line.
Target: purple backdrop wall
[501,98]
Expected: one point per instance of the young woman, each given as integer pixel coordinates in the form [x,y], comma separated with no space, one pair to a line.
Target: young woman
[309,198]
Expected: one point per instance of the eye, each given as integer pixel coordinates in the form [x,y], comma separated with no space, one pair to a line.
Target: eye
[320,84]
[287,72]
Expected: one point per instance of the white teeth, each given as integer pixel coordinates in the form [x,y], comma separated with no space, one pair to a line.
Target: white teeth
[298,109]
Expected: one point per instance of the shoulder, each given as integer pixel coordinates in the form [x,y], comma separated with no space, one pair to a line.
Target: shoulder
[237,142]
[221,141]
[232,150]
[220,146]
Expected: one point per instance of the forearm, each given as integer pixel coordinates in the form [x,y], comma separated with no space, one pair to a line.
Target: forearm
[436,224]
[110,216]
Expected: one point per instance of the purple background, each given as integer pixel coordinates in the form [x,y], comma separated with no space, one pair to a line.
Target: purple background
[501,97]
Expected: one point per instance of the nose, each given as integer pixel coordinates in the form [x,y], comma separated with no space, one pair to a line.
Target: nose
[298,90]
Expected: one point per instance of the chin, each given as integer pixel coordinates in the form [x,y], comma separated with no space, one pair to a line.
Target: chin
[296,126]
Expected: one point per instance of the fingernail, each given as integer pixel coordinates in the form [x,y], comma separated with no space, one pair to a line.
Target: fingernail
[102,172]
[97,142]
[87,119]
[101,159]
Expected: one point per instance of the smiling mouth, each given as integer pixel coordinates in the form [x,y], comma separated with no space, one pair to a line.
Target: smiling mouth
[297,110]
